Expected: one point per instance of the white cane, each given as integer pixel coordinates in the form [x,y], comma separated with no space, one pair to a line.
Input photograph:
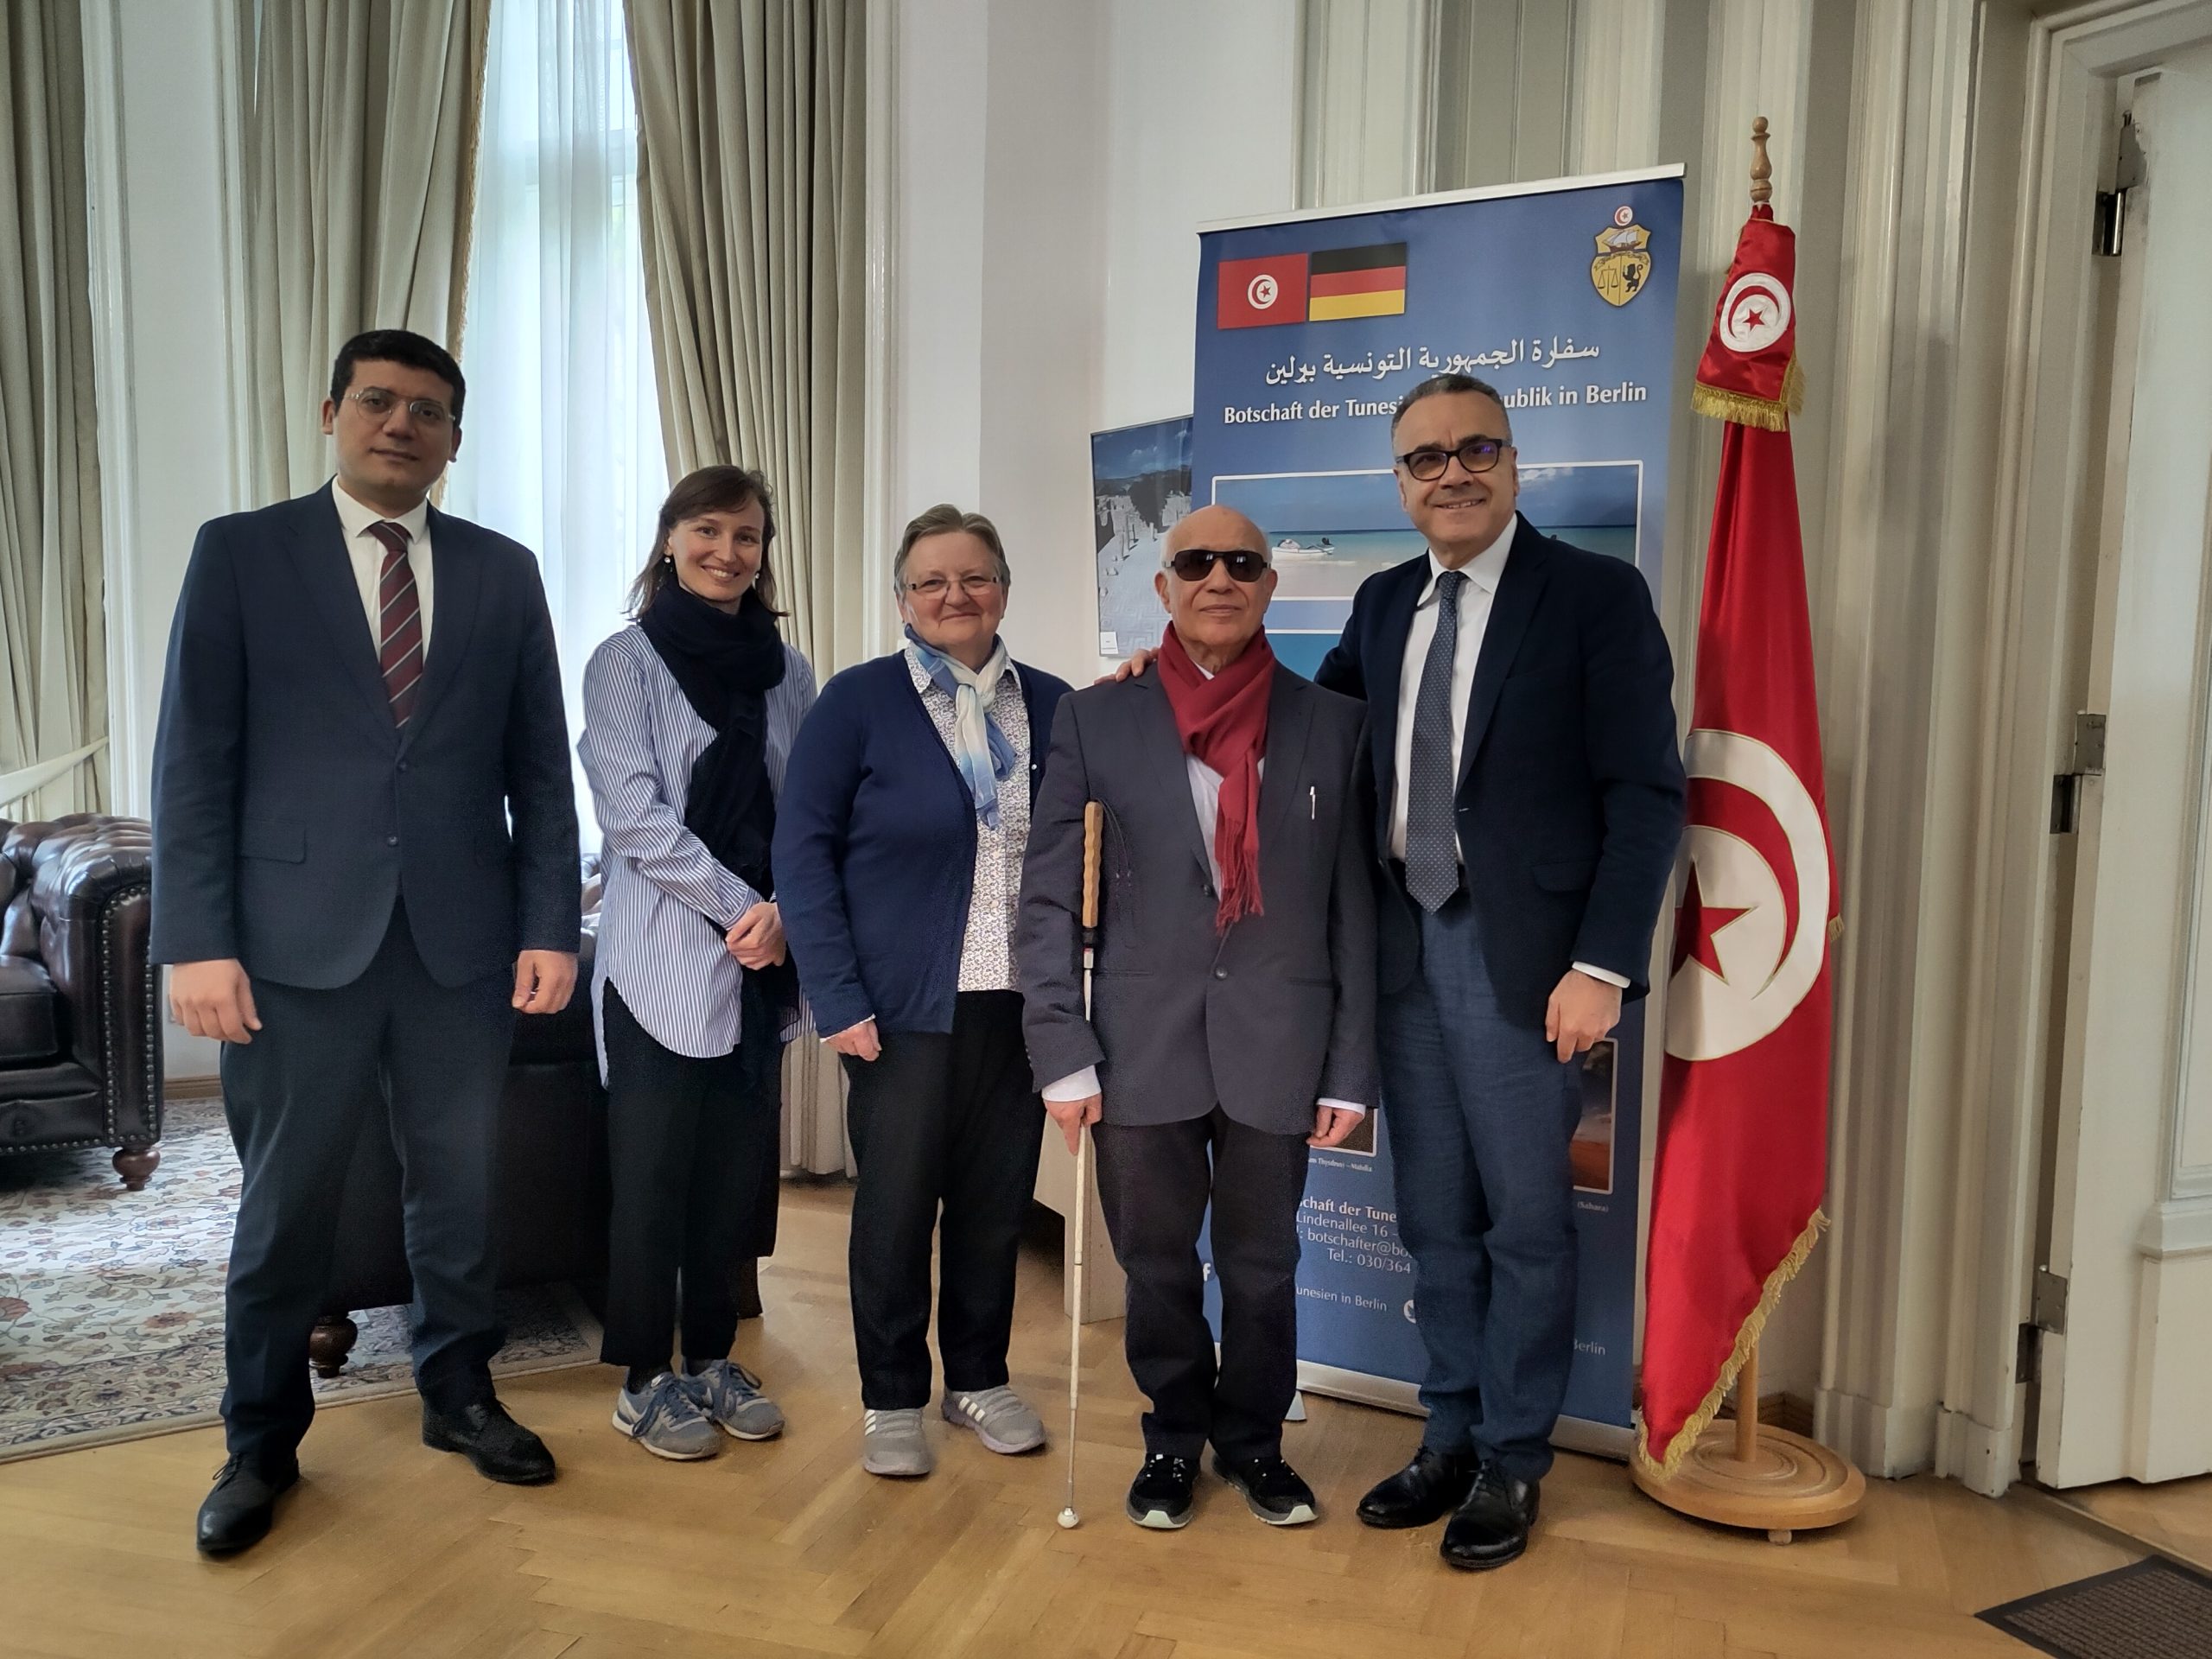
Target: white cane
[1094,828]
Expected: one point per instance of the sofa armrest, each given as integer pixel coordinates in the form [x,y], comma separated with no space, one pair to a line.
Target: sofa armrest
[91,877]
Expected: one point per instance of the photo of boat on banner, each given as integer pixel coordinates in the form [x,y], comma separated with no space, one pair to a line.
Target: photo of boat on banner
[1328,532]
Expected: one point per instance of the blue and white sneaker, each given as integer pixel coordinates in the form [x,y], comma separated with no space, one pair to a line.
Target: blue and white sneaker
[668,1418]
[730,1395]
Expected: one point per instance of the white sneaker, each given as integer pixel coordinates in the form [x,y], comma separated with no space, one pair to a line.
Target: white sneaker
[666,1418]
[1002,1419]
[891,1444]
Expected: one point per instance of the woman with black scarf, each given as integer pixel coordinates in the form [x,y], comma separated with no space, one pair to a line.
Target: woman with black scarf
[689,716]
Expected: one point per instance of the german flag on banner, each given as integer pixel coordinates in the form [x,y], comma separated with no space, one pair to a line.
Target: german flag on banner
[1356,283]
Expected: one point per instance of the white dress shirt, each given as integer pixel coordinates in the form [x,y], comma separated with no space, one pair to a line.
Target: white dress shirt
[1484,572]
[1205,800]
[367,554]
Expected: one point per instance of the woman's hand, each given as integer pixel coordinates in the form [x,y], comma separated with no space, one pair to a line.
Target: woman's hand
[859,1041]
[757,939]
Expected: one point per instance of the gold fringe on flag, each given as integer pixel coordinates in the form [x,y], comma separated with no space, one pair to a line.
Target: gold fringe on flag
[1747,1340]
[1747,411]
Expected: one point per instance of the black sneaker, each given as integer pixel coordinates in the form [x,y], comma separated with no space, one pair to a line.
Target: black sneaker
[1160,1497]
[1272,1489]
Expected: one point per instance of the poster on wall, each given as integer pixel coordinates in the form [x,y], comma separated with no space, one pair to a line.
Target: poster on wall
[1139,486]
[1310,329]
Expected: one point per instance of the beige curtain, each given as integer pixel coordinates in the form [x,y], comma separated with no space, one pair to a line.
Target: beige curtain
[751,178]
[53,632]
[359,144]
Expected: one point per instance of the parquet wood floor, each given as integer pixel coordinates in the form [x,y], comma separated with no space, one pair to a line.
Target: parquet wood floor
[2176,1516]
[787,1550]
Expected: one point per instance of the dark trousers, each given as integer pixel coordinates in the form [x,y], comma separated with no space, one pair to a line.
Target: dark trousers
[690,1142]
[1482,1115]
[950,1120]
[1154,1183]
[427,1059]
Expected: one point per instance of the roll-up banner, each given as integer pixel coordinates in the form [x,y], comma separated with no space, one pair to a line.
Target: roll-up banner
[1309,329]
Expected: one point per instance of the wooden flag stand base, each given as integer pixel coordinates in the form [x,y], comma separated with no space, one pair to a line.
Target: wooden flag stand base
[1747,1474]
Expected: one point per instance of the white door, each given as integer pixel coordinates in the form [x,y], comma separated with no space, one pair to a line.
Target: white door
[2126,1385]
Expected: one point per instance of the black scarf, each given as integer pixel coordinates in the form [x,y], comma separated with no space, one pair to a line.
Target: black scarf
[724,666]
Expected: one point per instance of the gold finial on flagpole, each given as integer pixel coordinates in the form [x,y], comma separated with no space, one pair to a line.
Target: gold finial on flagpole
[1762,169]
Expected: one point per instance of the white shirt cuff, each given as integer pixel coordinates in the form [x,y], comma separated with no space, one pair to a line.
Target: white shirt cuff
[1080,1085]
[1342,1106]
[1605,975]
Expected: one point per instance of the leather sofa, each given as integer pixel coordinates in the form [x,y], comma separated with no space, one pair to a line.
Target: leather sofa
[81,1039]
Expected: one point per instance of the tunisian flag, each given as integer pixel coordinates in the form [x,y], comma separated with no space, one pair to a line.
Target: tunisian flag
[1743,1126]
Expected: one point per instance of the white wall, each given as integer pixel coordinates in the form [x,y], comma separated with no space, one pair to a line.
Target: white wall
[1046,276]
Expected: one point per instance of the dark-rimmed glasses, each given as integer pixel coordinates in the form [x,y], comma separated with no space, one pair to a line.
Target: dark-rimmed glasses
[376,404]
[1196,564]
[1476,454]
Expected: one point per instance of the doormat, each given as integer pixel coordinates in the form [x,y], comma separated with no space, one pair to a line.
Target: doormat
[2155,1609]
[111,1301]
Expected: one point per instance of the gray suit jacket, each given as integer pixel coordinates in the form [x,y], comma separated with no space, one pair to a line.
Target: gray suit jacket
[1264,1020]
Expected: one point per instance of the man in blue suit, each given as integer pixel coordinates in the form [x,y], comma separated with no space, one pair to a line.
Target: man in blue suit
[364,863]
[1530,800]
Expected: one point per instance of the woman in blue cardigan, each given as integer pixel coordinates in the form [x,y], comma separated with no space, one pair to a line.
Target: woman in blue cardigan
[899,837]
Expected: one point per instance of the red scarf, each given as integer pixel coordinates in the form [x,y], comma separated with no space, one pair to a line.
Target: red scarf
[1223,721]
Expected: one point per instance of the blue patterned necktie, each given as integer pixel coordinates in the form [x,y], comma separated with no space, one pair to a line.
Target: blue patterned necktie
[1432,845]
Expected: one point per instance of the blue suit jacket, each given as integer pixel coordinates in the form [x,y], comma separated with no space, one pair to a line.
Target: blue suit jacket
[1571,793]
[875,849]
[290,815]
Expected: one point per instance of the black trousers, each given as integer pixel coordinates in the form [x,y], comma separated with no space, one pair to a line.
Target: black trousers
[427,1059]
[1154,1183]
[689,1144]
[946,1120]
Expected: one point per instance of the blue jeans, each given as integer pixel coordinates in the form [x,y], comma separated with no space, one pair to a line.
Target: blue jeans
[1481,1116]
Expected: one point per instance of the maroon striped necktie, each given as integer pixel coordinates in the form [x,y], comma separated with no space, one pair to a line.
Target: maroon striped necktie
[400,627]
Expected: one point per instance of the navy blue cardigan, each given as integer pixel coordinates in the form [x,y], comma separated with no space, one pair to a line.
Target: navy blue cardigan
[875,849]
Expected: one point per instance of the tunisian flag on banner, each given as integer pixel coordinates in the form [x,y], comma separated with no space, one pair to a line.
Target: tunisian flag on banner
[1743,1124]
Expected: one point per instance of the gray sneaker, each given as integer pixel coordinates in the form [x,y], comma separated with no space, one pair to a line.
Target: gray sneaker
[731,1397]
[667,1418]
[1002,1419]
[891,1444]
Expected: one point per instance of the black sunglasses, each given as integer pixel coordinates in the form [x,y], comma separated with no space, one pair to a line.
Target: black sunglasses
[1476,454]
[1196,564]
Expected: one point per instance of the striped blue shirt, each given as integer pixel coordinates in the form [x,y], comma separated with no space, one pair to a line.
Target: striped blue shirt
[667,902]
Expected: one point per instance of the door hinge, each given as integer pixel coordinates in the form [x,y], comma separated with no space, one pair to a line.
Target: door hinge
[2087,759]
[2110,222]
[2047,1310]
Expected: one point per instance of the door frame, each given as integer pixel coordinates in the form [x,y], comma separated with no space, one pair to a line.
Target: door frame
[2049,447]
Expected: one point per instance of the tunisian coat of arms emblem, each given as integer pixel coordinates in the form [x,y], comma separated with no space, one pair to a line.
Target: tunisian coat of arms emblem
[1623,259]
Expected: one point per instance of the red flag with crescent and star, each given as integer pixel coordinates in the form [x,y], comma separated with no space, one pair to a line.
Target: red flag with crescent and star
[1743,1124]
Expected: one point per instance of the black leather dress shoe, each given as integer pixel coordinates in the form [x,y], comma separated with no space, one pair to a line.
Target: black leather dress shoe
[501,1448]
[237,1513]
[1491,1528]
[1429,1488]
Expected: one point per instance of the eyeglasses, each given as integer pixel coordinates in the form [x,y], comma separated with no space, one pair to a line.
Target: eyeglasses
[1196,564]
[1476,454]
[377,403]
[939,587]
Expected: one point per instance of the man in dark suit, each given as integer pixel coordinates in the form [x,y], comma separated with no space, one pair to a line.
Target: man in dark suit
[364,862]
[1530,800]
[1232,1024]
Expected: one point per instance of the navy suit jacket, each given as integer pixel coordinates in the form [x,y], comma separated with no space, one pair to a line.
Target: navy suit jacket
[1571,793]
[875,849]
[291,814]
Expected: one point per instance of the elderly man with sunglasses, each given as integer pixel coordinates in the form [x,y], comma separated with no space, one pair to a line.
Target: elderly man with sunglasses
[1232,1018]
[1529,802]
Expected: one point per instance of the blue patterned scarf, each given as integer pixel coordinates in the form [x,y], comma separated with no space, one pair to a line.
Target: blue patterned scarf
[983,752]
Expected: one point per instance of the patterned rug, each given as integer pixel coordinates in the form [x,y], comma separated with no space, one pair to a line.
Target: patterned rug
[111,1302]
